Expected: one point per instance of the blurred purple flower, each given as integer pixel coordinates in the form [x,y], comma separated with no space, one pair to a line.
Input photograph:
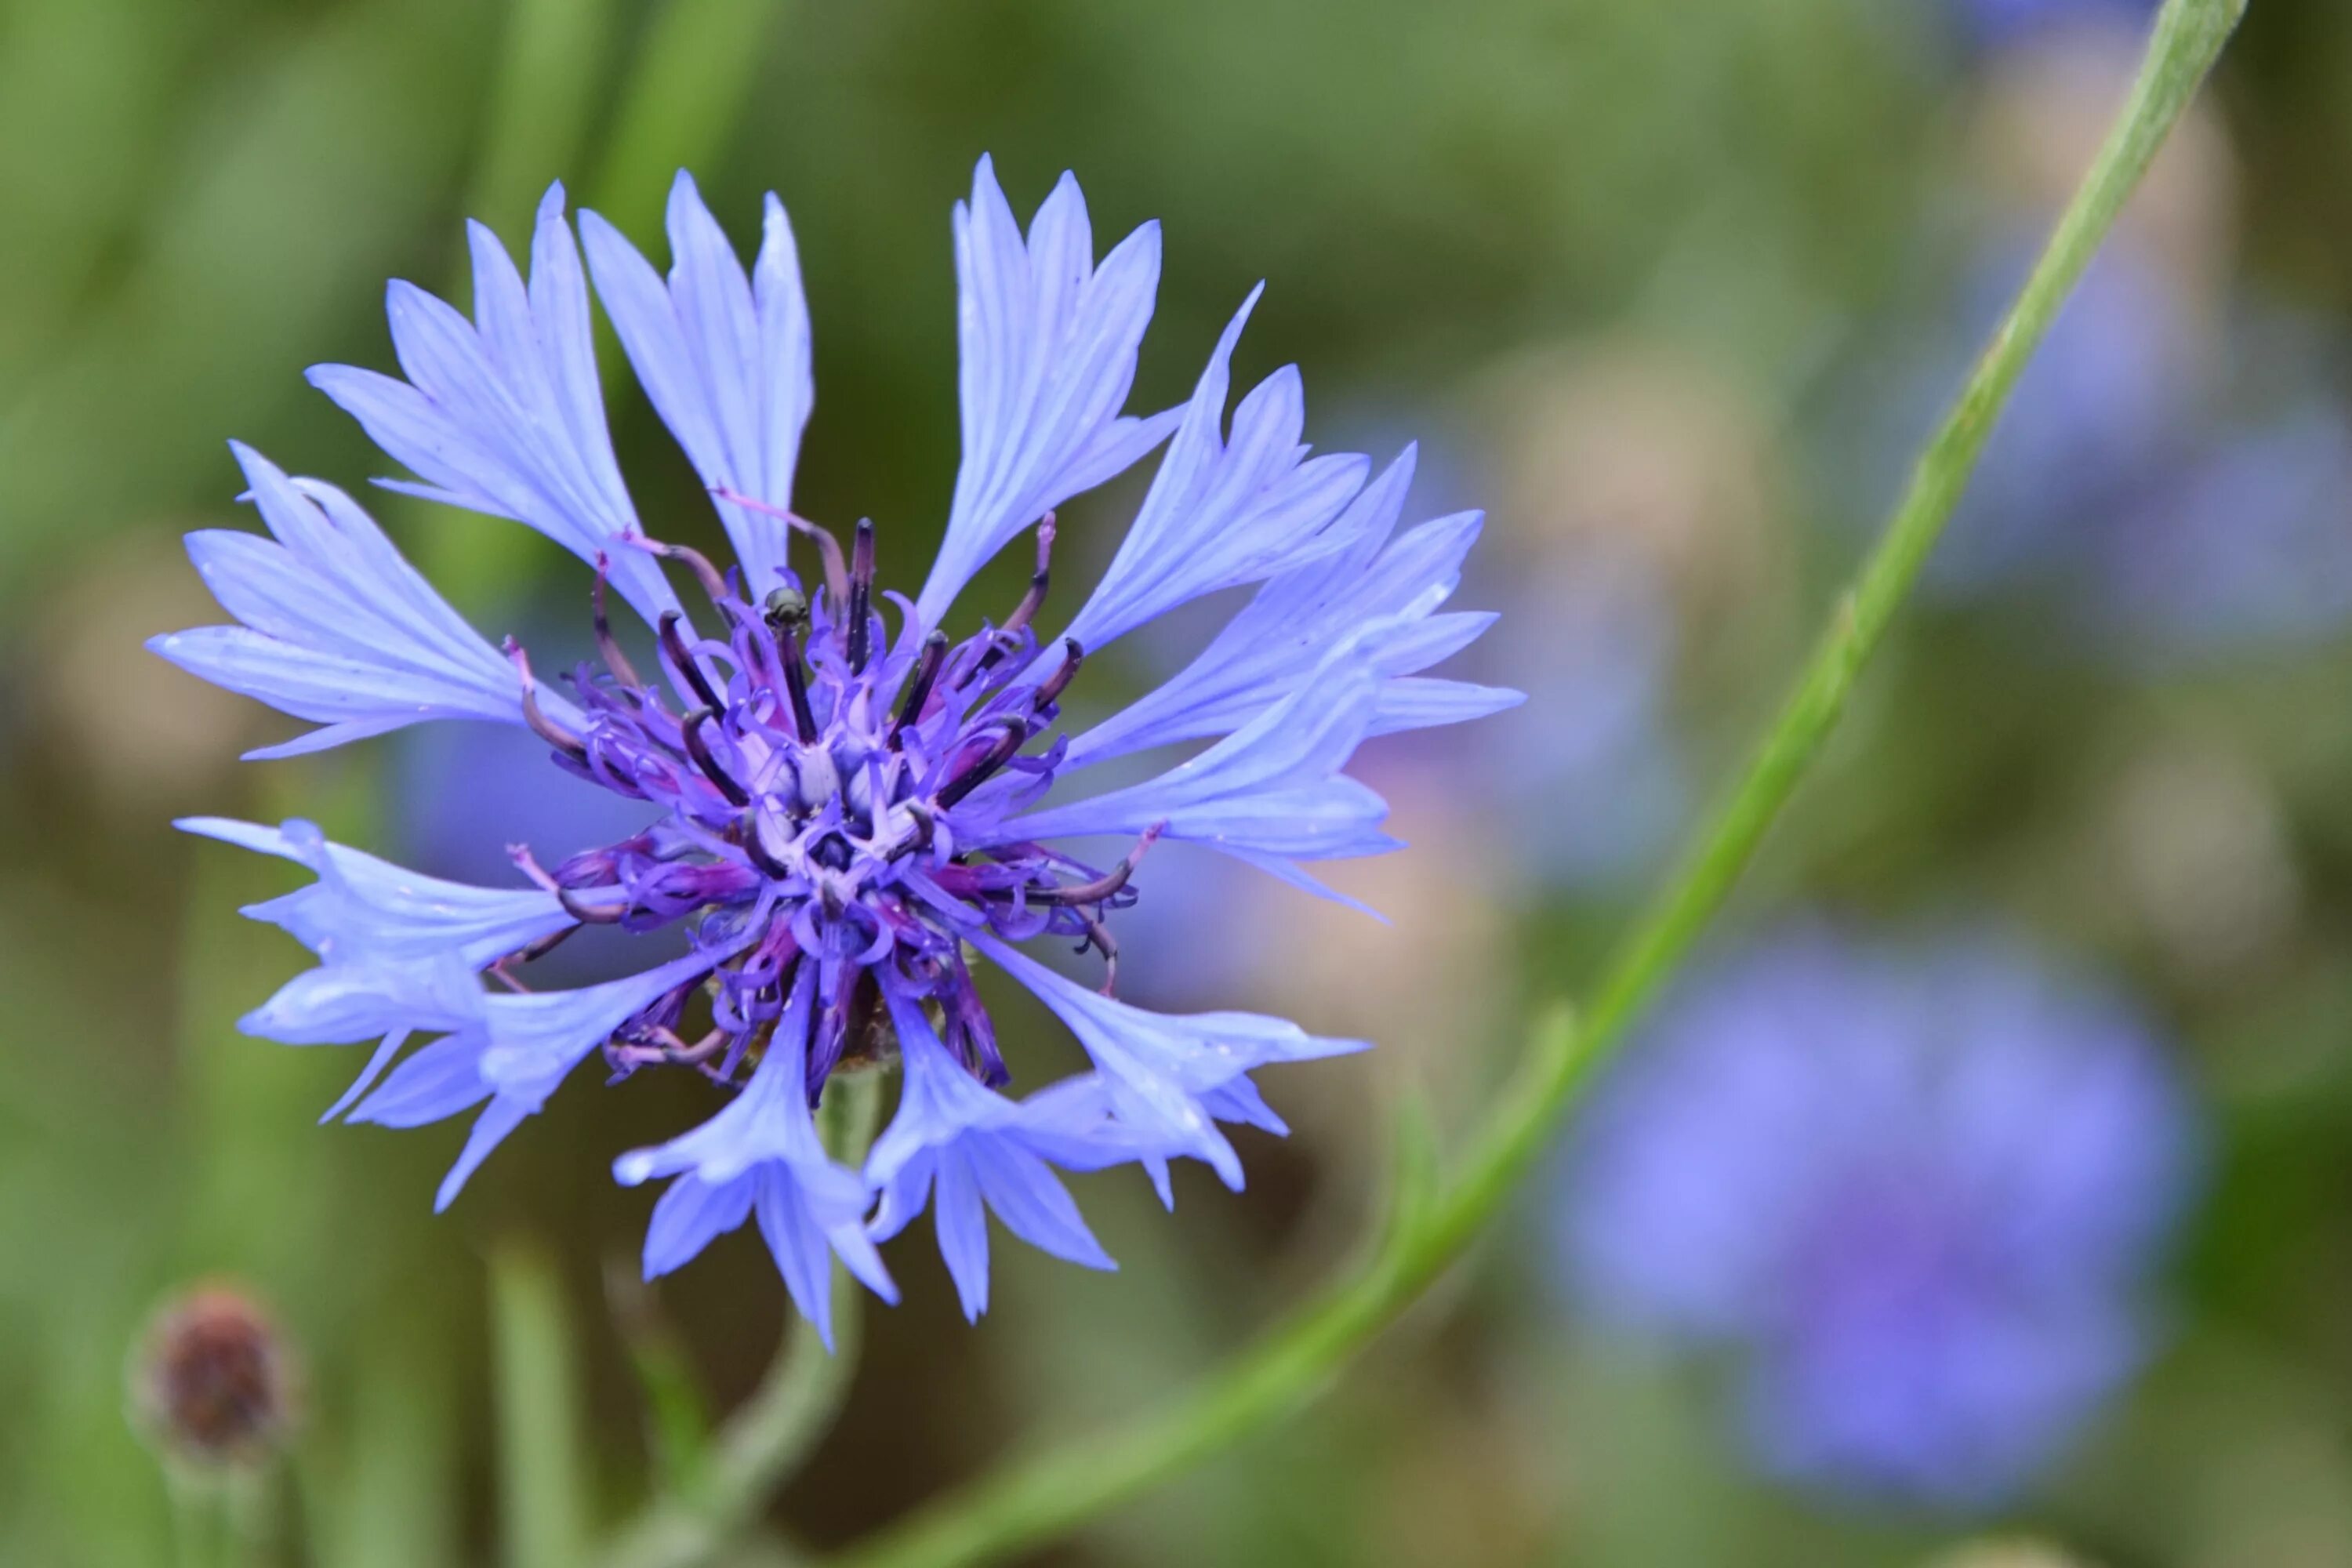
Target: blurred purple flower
[1998,24]
[2111,392]
[1594,650]
[2247,544]
[1917,1190]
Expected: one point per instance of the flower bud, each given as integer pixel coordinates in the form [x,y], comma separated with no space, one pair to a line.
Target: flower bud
[212,1379]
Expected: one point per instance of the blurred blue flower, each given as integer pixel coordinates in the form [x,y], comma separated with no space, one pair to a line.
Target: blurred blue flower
[835,818]
[2112,389]
[1995,23]
[1595,648]
[1918,1190]
[2189,502]
[2246,545]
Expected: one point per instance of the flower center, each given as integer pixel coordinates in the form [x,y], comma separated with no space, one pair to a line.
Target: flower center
[828,797]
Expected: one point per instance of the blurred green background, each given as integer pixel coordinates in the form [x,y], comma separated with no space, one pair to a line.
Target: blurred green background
[1668,285]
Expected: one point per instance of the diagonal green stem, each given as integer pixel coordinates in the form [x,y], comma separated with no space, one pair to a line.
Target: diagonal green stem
[1039,1498]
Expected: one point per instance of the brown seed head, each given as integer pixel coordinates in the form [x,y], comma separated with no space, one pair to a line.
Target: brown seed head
[214,1378]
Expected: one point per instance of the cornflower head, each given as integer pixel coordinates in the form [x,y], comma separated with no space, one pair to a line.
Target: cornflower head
[1918,1193]
[844,809]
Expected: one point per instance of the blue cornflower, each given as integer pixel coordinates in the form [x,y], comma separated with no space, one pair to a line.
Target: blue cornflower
[1918,1192]
[838,816]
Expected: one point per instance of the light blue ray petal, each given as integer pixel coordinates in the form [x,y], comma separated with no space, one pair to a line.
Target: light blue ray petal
[689,1216]
[336,626]
[724,358]
[502,414]
[500,1117]
[963,1224]
[1222,511]
[1046,344]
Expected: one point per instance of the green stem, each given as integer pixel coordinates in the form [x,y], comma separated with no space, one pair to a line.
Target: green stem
[793,1406]
[196,1520]
[545,1486]
[1037,1500]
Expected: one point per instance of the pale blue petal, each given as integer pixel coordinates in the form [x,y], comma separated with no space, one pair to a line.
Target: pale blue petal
[1022,1191]
[362,906]
[344,1003]
[962,1224]
[499,1118]
[502,414]
[337,627]
[513,1054]
[440,1080]
[1279,639]
[691,1215]
[724,358]
[1224,511]
[1420,703]
[376,1063]
[1156,1067]
[972,1150]
[1272,788]
[1046,346]
[809,1208]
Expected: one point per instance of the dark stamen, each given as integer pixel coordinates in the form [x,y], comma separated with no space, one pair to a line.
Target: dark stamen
[545,728]
[682,658]
[714,583]
[608,647]
[1031,602]
[699,750]
[1049,691]
[586,913]
[861,592]
[670,1047]
[836,571]
[1098,935]
[768,864]
[796,687]
[539,949]
[1007,744]
[1102,887]
[919,689]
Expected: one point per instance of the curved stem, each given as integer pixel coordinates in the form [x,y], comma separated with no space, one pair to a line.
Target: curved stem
[1432,1225]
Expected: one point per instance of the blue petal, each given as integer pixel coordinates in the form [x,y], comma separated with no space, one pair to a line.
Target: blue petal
[1023,1192]
[344,1003]
[1279,638]
[398,951]
[361,906]
[973,1150]
[691,1215]
[724,358]
[1415,702]
[1157,1067]
[503,415]
[1047,342]
[1272,788]
[337,627]
[514,1053]
[962,1223]
[808,1208]
[1224,512]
